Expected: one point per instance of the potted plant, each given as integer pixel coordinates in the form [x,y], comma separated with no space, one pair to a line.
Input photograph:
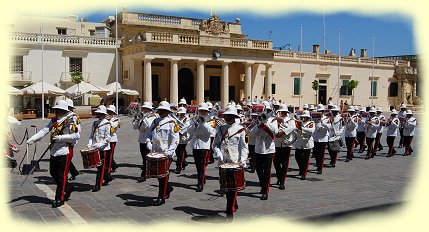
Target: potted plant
[315,87]
[352,85]
[77,78]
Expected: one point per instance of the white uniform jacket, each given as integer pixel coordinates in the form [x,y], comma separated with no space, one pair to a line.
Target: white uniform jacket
[289,124]
[200,135]
[65,128]
[76,120]
[336,128]
[371,129]
[100,135]
[392,127]
[115,123]
[402,118]
[410,126]
[304,136]
[264,141]
[163,136]
[252,138]
[143,124]
[361,123]
[183,133]
[351,126]
[321,132]
[381,118]
[229,144]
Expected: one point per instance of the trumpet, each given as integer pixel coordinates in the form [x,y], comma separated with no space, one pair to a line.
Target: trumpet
[179,122]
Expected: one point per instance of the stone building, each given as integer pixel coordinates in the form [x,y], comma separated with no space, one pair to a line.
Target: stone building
[168,57]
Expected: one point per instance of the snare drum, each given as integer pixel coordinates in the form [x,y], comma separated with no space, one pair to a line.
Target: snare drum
[231,177]
[157,165]
[91,158]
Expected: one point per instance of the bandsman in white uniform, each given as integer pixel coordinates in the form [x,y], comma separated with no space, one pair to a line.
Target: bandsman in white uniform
[115,124]
[286,126]
[371,128]
[350,126]
[200,131]
[392,131]
[265,149]
[64,134]
[409,130]
[230,147]
[163,137]
[335,131]
[210,157]
[402,115]
[142,122]
[100,139]
[360,130]
[304,143]
[183,140]
[72,169]
[320,138]
[377,143]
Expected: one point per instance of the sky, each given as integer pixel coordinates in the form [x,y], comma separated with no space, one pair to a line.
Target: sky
[392,34]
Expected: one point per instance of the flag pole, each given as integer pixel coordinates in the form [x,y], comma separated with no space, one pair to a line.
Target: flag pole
[116,56]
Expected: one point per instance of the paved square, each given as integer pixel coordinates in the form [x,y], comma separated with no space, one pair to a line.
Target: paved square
[356,186]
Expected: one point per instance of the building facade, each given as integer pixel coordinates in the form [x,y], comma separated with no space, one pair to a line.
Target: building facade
[167,57]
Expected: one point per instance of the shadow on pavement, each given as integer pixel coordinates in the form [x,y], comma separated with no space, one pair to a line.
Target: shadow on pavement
[44,180]
[81,187]
[32,200]
[121,176]
[332,217]
[135,200]
[182,185]
[203,215]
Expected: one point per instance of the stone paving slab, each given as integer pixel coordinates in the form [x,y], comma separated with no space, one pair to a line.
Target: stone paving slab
[348,187]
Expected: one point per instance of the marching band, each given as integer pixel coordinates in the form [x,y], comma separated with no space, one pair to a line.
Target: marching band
[256,134]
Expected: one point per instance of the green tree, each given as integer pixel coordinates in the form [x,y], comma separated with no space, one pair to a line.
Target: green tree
[77,78]
[316,88]
[352,85]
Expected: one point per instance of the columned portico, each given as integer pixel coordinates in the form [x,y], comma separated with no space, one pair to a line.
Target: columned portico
[174,86]
[147,79]
[200,81]
[268,80]
[224,89]
[248,80]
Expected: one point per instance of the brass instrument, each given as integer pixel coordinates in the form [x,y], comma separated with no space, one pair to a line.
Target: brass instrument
[290,134]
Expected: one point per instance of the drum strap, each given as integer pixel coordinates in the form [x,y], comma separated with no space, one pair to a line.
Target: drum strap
[157,124]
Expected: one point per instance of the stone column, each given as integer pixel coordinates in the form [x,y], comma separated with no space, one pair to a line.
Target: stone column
[200,81]
[224,84]
[248,81]
[147,80]
[174,81]
[268,80]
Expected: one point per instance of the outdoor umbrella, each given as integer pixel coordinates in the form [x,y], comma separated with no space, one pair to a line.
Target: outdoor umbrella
[48,89]
[85,87]
[14,91]
[112,90]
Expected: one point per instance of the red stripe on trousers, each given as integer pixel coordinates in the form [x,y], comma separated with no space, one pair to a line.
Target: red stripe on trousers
[165,187]
[234,202]
[183,158]
[66,171]
[112,150]
[306,167]
[102,171]
[323,157]
[351,148]
[287,166]
[409,145]
[205,164]
[269,174]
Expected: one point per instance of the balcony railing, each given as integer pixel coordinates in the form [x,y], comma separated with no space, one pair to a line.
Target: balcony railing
[23,76]
[31,38]
[187,39]
[66,76]
[334,58]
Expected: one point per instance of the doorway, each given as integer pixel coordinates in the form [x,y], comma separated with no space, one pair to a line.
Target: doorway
[214,88]
[322,94]
[186,84]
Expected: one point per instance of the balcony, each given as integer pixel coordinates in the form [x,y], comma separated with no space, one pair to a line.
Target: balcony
[20,77]
[62,40]
[187,39]
[332,58]
[66,77]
